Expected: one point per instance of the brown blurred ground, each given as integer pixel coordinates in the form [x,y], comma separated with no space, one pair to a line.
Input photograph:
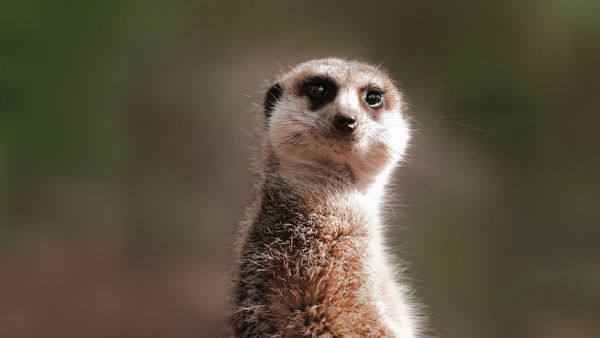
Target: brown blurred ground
[126,133]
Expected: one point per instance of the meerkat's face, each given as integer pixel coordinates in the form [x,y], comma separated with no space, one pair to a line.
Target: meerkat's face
[336,114]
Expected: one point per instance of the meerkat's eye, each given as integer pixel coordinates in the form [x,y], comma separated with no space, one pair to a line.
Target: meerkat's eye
[317,91]
[374,98]
[320,90]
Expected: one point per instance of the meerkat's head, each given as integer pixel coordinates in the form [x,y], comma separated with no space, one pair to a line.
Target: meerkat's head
[336,116]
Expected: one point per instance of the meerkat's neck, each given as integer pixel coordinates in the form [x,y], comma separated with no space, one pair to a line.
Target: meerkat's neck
[333,183]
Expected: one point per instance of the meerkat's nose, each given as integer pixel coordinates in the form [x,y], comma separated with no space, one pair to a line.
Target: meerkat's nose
[344,124]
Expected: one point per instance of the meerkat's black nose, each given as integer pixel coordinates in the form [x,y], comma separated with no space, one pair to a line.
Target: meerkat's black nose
[344,124]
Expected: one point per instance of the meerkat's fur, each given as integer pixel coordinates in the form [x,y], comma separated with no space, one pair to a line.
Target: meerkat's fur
[310,259]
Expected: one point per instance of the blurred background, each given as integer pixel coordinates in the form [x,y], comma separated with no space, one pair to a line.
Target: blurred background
[127,130]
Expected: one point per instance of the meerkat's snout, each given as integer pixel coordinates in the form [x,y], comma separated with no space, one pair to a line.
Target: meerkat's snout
[344,124]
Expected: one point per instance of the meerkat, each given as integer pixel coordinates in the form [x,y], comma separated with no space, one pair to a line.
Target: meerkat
[310,259]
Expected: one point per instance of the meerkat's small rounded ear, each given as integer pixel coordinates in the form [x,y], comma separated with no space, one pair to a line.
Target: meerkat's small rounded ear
[273,95]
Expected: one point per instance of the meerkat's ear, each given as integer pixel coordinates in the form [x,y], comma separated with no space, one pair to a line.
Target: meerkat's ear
[273,95]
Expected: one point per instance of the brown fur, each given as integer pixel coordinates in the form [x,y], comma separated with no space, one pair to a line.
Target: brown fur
[302,271]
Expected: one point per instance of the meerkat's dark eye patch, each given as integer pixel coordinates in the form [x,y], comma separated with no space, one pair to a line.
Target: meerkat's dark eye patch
[273,95]
[319,90]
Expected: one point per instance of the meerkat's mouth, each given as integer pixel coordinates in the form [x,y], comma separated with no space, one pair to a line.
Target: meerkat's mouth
[341,137]
[330,138]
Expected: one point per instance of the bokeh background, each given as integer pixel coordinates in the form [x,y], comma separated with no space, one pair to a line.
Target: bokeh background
[127,130]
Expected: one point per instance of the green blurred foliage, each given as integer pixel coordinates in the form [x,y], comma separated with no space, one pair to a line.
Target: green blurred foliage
[124,157]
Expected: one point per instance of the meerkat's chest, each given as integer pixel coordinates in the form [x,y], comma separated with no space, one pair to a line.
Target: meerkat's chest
[292,242]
